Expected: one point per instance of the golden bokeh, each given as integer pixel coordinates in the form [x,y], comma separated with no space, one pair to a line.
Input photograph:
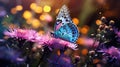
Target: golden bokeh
[98,22]
[75,21]
[33,6]
[42,17]
[84,30]
[27,14]
[29,21]
[19,7]
[41,32]
[47,8]
[35,23]
[46,17]
[38,9]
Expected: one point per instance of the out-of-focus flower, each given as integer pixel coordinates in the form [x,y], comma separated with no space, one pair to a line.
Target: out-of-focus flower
[2,12]
[112,51]
[88,42]
[60,61]
[10,54]
[117,32]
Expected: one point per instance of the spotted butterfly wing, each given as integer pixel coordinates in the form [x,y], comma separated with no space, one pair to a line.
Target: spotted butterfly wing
[64,27]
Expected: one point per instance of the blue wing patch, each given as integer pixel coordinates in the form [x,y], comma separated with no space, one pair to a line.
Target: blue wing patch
[64,27]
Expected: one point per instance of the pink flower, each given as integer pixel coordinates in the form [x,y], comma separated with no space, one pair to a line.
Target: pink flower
[114,52]
[46,39]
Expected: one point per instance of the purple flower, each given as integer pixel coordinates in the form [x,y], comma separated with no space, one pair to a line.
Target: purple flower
[60,61]
[46,39]
[112,51]
[10,54]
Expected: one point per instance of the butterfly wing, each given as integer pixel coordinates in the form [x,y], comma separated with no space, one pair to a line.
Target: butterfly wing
[64,27]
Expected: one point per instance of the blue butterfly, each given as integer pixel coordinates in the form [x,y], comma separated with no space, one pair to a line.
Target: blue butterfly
[64,27]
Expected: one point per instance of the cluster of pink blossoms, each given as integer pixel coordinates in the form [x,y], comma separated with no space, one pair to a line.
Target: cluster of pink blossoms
[46,39]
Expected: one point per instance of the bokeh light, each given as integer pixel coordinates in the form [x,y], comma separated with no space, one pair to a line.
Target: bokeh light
[85,41]
[47,8]
[45,17]
[96,61]
[33,6]
[98,22]
[29,21]
[36,8]
[57,10]
[75,21]
[84,30]
[13,11]
[42,17]
[27,14]
[39,17]
[48,18]
[84,51]
[35,23]
[58,52]
[41,32]
[80,41]
[19,7]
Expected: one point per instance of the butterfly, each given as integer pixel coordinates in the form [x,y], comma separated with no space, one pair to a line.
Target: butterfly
[64,28]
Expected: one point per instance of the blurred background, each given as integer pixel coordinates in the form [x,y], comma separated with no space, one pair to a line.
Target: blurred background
[41,14]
